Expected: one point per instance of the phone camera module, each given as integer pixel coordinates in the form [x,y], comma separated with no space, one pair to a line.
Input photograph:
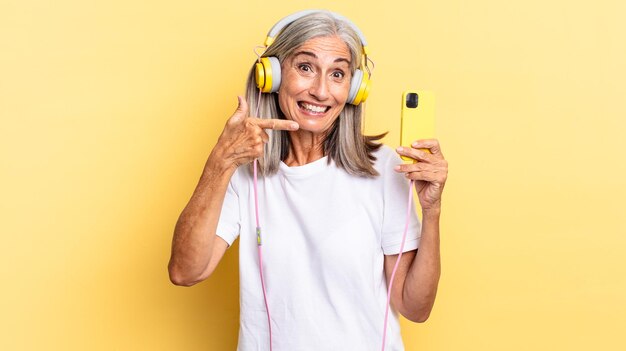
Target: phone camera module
[411,100]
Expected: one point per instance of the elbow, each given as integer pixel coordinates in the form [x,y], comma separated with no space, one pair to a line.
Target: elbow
[418,314]
[177,277]
[419,309]
[418,317]
[421,318]
[180,281]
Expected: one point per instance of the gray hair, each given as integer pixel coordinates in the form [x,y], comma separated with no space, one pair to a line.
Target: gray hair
[345,143]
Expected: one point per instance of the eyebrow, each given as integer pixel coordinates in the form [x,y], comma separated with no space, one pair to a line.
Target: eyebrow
[309,53]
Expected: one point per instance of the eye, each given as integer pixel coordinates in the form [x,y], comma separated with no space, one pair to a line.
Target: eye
[304,67]
[338,75]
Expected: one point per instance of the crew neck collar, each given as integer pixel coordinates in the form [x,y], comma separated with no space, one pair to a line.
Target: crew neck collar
[304,170]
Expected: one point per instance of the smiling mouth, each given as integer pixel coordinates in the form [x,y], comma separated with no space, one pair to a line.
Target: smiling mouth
[313,109]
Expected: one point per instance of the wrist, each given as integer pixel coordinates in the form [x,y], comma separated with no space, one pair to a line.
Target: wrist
[217,166]
[218,159]
[432,212]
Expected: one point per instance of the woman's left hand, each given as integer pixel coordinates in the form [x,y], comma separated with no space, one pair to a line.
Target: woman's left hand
[429,172]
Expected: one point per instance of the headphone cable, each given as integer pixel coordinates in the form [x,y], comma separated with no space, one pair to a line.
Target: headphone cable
[259,244]
[258,225]
[395,267]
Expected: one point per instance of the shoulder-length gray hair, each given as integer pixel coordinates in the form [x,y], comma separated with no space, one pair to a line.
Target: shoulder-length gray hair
[345,143]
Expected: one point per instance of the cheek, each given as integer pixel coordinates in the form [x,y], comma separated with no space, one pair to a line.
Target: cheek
[282,104]
[284,93]
[291,83]
[341,93]
[341,90]
[282,100]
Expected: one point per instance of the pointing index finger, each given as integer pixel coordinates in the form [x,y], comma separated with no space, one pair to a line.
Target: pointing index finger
[276,124]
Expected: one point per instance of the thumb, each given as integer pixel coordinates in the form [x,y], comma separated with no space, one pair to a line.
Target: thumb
[242,110]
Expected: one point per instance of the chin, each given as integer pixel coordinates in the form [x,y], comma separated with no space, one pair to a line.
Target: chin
[315,129]
[317,124]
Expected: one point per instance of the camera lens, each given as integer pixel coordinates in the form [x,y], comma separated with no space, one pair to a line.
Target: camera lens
[411,100]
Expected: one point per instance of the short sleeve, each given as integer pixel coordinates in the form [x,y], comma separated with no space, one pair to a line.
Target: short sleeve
[229,224]
[395,199]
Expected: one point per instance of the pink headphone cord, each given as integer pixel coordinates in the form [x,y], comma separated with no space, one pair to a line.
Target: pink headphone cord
[395,267]
[258,238]
[258,233]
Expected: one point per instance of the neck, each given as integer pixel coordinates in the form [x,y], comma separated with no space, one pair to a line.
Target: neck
[304,147]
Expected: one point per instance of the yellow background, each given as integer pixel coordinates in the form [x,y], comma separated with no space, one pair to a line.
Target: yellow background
[109,110]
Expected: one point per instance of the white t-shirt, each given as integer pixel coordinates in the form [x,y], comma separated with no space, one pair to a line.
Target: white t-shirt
[324,236]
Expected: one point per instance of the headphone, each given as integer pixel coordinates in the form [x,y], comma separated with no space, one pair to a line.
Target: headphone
[267,70]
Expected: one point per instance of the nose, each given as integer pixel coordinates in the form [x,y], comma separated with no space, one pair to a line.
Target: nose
[319,88]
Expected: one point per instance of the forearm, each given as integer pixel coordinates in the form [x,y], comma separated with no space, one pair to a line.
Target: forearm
[420,287]
[194,234]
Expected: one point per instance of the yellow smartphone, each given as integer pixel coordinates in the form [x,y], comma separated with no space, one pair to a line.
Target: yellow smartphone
[418,118]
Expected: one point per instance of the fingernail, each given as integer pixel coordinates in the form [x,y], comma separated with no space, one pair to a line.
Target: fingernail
[399,148]
[397,168]
[415,143]
[294,126]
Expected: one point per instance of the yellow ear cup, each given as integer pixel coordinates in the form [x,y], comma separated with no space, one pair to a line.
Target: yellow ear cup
[267,74]
[359,88]
[263,75]
[259,75]
[364,91]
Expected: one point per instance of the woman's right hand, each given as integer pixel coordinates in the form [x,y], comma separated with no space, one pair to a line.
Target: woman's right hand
[243,137]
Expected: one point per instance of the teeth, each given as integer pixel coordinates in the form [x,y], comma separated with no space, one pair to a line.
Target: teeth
[313,108]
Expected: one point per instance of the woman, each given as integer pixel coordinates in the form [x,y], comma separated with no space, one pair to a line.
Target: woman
[332,205]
